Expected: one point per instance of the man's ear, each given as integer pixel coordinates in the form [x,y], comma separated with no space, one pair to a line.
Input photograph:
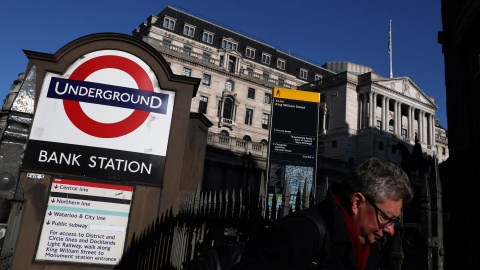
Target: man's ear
[356,202]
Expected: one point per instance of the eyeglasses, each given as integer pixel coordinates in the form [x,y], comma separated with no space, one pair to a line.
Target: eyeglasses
[390,220]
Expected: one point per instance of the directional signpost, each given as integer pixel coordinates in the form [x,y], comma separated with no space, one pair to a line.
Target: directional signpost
[108,122]
[85,222]
[293,142]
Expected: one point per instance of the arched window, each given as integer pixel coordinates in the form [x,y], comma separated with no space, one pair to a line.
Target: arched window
[390,126]
[263,141]
[228,108]
[247,138]
[224,133]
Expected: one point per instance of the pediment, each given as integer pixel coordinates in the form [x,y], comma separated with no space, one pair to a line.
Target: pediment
[406,87]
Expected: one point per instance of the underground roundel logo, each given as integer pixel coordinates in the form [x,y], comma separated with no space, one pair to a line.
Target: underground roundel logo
[108,130]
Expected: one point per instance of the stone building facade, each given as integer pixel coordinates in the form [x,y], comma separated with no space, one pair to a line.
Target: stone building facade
[238,76]
[365,115]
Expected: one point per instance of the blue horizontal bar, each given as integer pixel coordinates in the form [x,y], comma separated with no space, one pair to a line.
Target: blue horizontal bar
[88,211]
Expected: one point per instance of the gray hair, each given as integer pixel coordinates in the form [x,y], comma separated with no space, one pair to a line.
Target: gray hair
[378,180]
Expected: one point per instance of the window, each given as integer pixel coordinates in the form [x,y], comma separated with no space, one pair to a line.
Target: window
[232,64]
[404,133]
[250,72]
[321,147]
[281,81]
[166,43]
[187,72]
[380,146]
[264,142]
[379,124]
[228,108]
[207,37]
[229,44]
[206,79]
[229,85]
[334,144]
[266,58]
[187,50]
[322,97]
[251,93]
[188,30]
[266,77]
[268,98]
[248,116]
[318,77]
[250,53]
[169,23]
[247,138]
[265,120]
[303,73]
[206,57]
[281,64]
[443,151]
[202,108]
[224,133]
[390,126]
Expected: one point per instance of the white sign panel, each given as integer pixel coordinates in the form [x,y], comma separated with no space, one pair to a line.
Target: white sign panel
[105,117]
[85,222]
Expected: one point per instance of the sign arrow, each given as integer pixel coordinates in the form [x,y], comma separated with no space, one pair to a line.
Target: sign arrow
[48,222]
[53,200]
[56,186]
[50,213]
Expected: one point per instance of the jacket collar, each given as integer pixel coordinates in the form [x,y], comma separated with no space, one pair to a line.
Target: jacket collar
[340,235]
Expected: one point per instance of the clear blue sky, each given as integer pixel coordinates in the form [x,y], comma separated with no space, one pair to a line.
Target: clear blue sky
[319,31]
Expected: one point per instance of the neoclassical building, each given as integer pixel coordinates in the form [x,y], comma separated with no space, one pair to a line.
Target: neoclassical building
[362,113]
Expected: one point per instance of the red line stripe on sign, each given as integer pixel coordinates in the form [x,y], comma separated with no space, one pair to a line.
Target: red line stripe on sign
[91,184]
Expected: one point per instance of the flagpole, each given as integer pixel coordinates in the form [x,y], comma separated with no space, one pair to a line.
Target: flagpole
[390,47]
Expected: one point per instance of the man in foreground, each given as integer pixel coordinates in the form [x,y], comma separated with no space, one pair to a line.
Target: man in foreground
[361,211]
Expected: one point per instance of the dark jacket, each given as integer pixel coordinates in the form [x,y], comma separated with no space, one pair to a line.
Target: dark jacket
[289,244]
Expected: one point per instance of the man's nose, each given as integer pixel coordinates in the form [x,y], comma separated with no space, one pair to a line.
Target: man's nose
[389,230]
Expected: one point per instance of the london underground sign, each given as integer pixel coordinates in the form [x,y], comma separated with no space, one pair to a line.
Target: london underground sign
[73,90]
[105,117]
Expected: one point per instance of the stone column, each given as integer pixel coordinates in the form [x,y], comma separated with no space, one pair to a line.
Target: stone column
[365,111]
[420,126]
[409,121]
[374,110]
[370,100]
[430,127]
[395,117]
[412,124]
[399,120]
[385,114]
[433,129]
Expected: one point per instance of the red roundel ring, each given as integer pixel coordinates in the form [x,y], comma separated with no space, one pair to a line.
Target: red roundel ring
[108,130]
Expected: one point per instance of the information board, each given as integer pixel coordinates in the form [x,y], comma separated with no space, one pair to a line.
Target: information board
[85,222]
[293,142]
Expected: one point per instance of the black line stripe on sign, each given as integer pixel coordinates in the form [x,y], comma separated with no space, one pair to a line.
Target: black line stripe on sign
[88,198]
